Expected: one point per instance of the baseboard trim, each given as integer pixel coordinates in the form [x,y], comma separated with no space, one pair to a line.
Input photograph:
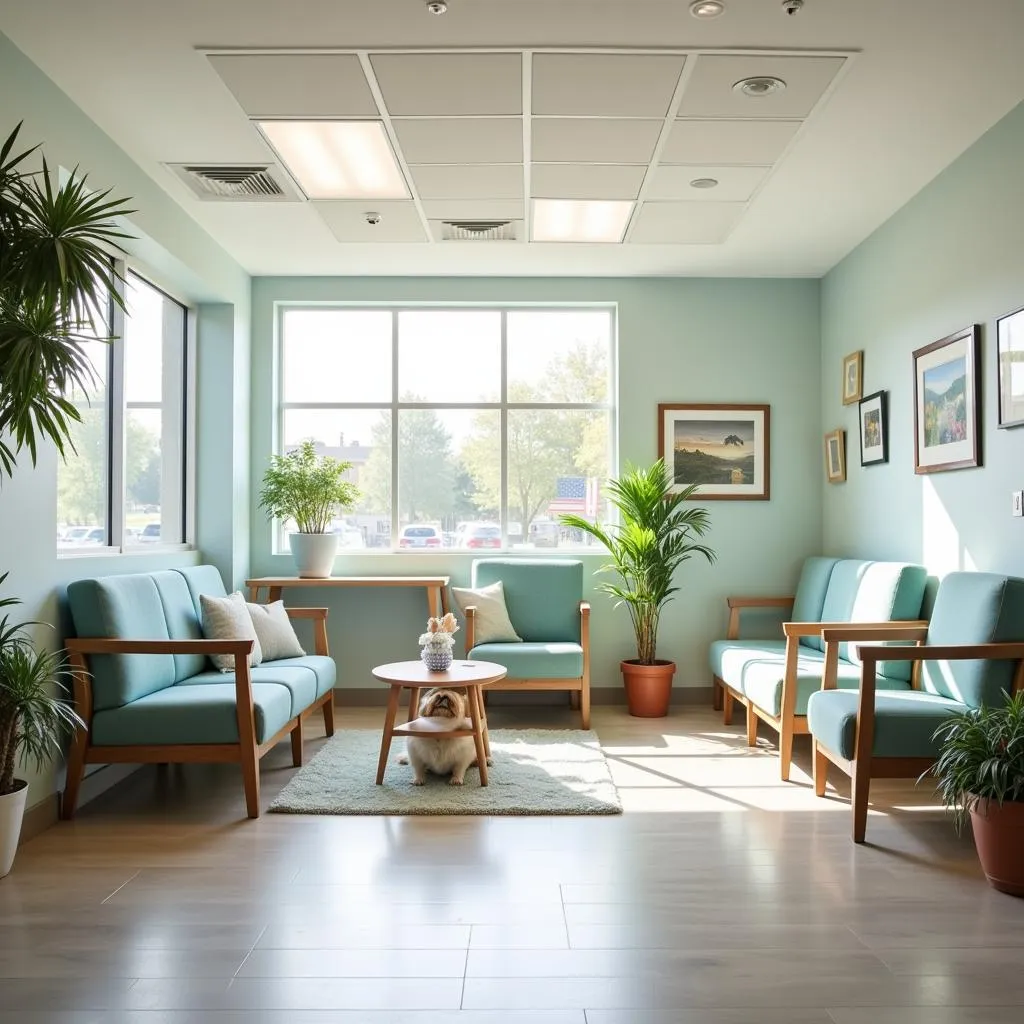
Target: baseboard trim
[373,697]
[39,818]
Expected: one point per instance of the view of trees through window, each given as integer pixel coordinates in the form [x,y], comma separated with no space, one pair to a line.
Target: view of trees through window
[499,420]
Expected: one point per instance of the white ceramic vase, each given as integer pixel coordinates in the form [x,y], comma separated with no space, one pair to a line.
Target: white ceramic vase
[314,554]
[12,813]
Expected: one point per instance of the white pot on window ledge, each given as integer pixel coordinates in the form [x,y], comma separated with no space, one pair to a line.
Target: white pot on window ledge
[314,554]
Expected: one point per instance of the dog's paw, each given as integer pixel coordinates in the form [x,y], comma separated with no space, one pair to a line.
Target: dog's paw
[403,758]
[453,781]
[417,782]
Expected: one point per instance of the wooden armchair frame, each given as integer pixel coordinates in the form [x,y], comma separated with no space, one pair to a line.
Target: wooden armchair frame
[865,765]
[579,688]
[247,752]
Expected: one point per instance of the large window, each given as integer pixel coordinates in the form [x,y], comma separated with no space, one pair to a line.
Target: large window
[466,428]
[124,486]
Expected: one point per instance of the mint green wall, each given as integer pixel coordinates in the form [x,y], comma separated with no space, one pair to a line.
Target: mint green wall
[954,255]
[184,259]
[679,340]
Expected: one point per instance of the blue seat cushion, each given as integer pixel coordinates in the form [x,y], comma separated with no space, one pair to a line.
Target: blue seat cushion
[183,714]
[810,593]
[756,669]
[299,680]
[534,660]
[323,668]
[905,722]
[182,621]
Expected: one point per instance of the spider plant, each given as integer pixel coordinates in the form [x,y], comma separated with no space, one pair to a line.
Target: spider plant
[56,272]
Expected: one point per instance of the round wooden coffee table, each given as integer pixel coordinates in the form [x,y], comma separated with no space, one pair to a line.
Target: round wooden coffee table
[413,676]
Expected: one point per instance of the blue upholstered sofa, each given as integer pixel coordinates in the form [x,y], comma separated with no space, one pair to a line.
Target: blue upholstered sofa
[774,679]
[147,692]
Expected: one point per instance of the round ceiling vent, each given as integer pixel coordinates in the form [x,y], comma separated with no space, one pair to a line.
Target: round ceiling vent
[761,85]
[704,183]
[706,9]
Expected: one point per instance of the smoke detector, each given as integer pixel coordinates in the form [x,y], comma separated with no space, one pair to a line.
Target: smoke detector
[760,85]
[437,6]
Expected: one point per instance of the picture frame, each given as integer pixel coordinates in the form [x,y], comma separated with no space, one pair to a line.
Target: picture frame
[1010,368]
[873,416]
[947,403]
[853,378]
[723,448]
[835,456]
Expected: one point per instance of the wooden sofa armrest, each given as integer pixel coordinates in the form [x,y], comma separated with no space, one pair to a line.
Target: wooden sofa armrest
[898,630]
[97,645]
[736,604]
[799,629]
[319,617]
[585,636]
[470,613]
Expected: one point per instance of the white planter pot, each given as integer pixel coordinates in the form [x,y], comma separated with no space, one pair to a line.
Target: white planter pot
[314,554]
[12,813]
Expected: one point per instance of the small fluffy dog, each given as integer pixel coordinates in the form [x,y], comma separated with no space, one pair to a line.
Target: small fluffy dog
[441,756]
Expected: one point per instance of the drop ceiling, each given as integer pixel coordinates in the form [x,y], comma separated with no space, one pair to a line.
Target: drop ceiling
[502,103]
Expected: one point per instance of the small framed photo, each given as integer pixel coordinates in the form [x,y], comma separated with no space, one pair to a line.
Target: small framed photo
[874,428]
[724,449]
[946,403]
[853,378]
[1010,361]
[835,456]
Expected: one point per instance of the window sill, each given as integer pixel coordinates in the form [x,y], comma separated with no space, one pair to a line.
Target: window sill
[129,552]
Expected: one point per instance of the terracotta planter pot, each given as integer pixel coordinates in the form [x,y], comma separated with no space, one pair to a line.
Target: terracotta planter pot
[648,688]
[999,837]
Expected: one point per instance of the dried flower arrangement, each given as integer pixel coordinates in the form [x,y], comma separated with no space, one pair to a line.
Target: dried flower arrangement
[440,632]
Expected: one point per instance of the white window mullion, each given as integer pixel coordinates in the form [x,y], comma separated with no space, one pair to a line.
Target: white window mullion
[395,527]
[117,418]
[503,434]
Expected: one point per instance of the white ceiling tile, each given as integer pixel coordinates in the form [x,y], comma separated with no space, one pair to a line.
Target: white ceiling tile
[593,140]
[461,141]
[450,84]
[399,221]
[710,93]
[297,85]
[474,209]
[735,184]
[604,84]
[456,181]
[437,231]
[586,181]
[727,142]
[685,223]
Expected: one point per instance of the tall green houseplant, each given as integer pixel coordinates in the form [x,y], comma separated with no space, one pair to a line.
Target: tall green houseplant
[658,531]
[56,273]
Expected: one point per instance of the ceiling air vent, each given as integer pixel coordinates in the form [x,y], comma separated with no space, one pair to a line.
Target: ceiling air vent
[247,183]
[478,231]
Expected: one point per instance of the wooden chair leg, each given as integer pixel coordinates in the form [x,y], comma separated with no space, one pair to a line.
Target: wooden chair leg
[389,724]
[574,699]
[785,749]
[75,773]
[716,695]
[585,707]
[751,726]
[297,744]
[475,704]
[861,786]
[329,715]
[820,770]
[414,703]
[727,703]
[251,778]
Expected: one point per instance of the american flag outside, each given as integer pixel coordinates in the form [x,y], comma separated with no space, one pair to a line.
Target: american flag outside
[577,494]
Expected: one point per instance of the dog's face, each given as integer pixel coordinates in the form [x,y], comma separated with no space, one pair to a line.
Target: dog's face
[443,704]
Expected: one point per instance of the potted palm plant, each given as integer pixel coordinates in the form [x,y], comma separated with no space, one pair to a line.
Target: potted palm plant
[657,532]
[33,720]
[981,776]
[56,272]
[308,490]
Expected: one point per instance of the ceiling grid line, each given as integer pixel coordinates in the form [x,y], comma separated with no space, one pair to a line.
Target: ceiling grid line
[527,144]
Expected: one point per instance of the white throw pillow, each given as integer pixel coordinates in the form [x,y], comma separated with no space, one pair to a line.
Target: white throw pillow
[275,631]
[492,624]
[227,618]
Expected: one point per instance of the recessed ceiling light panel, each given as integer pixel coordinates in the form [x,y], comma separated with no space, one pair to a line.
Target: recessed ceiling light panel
[706,9]
[704,183]
[760,85]
[580,220]
[338,159]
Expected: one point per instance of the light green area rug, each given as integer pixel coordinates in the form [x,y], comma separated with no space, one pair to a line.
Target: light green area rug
[535,771]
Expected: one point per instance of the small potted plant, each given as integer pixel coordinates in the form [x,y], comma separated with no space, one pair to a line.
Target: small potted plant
[981,776]
[308,490]
[658,531]
[438,642]
[33,721]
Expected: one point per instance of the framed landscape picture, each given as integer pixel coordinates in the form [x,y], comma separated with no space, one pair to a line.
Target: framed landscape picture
[853,377]
[1010,361]
[835,456]
[946,401]
[874,429]
[724,449]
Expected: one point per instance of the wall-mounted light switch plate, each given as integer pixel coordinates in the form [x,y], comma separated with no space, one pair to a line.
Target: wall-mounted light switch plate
[1018,503]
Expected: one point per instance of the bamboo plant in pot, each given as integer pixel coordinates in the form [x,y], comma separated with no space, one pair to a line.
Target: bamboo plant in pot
[981,776]
[34,719]
[308,490]
[657,532]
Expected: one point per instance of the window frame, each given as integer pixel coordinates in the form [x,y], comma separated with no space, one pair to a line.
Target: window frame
[396,406]
[117,412]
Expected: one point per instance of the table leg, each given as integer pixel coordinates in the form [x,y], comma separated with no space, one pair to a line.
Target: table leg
[389,725]
[433,604]
[274,594]
[481,696]
[414,703]
[478,736]
[444,601]
[254,595]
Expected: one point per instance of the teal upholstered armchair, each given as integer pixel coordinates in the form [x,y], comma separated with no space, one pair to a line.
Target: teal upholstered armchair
[545,606]
[971,654]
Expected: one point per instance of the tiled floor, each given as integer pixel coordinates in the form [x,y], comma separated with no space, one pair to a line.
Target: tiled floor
[721,896]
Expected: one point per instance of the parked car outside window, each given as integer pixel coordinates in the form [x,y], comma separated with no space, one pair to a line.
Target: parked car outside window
[481,535]
[150,534]
[419,536]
